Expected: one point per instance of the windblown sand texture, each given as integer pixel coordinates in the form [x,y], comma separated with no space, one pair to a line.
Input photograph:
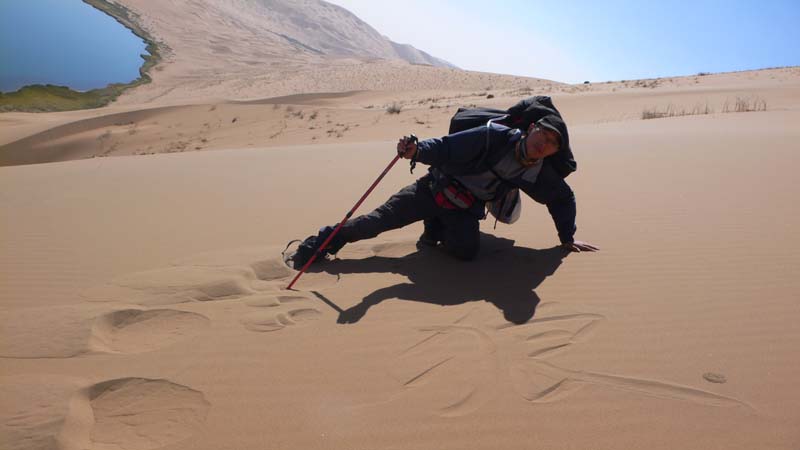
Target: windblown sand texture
[142,300]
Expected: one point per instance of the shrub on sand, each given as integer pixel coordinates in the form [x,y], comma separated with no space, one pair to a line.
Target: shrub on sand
[394,108]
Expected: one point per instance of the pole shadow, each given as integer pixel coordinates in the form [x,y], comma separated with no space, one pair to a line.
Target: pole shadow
[502,274]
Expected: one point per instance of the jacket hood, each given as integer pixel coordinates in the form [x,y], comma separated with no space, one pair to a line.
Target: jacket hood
[556,123]
[540,110]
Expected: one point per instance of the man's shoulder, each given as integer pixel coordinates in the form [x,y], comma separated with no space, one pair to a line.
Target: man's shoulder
[501,133]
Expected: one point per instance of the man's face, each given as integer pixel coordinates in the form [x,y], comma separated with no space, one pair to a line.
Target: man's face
[542,142]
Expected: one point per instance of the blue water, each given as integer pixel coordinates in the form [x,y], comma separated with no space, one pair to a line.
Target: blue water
[66,43]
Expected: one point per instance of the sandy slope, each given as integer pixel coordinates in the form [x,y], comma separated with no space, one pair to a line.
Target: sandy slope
[142,300]
[151,288]
[361,116]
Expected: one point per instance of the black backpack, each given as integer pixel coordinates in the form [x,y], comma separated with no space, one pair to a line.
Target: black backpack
[520,116]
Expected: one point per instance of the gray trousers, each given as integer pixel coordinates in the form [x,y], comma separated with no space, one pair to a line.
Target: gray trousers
[458,230]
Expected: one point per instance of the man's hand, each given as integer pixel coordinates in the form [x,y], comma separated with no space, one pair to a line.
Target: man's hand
[579,246]
[407,147]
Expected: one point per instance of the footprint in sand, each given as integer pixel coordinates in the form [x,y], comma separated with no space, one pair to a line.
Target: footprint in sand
[80,329]
[142,414]
[45,411]
[137,331]
[38,412]
[277,311]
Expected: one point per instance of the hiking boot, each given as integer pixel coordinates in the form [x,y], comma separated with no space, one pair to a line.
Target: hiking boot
[306,250]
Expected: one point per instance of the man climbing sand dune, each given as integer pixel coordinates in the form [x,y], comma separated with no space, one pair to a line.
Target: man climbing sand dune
[469,170]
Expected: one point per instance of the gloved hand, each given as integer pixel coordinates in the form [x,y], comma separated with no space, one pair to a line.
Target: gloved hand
[407,147]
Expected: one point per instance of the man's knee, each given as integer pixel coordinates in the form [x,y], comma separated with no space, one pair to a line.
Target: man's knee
[461,236]
[465,251]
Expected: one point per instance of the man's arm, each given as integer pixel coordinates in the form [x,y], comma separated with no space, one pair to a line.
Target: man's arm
[457,148]
[551,190]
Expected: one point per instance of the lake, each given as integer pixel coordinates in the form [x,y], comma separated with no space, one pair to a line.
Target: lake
[66,43]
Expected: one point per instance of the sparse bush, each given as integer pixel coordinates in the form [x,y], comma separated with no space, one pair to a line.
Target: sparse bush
[490,96]
[394,108]
[293,113]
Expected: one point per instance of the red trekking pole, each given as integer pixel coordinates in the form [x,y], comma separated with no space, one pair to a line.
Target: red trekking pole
[347,216]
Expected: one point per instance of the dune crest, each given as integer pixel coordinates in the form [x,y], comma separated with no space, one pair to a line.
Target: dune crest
[143,299]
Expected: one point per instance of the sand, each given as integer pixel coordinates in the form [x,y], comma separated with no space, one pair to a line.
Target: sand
[142,300]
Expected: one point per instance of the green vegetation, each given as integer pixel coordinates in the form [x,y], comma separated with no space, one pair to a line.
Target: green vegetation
[44,98]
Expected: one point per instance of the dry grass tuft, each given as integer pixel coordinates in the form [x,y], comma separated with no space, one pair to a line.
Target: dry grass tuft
[745,104]
[742,104]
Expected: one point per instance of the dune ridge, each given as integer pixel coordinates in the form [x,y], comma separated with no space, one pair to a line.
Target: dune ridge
[143,299]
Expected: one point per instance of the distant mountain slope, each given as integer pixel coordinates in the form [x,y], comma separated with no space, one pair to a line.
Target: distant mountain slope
[327,29]
[215,50]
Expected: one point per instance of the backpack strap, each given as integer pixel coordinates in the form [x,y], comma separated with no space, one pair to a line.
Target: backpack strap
[488,136]
[504,182]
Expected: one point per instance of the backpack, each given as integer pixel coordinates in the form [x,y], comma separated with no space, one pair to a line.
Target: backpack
[520,116]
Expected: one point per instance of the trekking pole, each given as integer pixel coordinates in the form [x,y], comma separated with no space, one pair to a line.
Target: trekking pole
[347,216]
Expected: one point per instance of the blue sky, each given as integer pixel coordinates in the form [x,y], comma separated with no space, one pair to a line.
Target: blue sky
[574,41]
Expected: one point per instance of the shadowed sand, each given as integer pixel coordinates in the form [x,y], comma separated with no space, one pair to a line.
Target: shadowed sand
[142,289]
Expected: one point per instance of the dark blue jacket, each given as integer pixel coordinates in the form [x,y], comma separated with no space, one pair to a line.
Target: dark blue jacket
[467,153]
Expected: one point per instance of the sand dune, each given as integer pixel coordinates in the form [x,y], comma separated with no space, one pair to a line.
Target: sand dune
[361,116]
[695,277]
[142,286]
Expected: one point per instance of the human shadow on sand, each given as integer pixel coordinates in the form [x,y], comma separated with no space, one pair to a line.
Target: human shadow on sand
[502,274]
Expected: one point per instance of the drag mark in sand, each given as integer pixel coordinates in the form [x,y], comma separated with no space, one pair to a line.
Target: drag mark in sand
[643,386]
[242,275]
[214,276]
[275,312]
[503,355]
[453,366]
[426,371]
